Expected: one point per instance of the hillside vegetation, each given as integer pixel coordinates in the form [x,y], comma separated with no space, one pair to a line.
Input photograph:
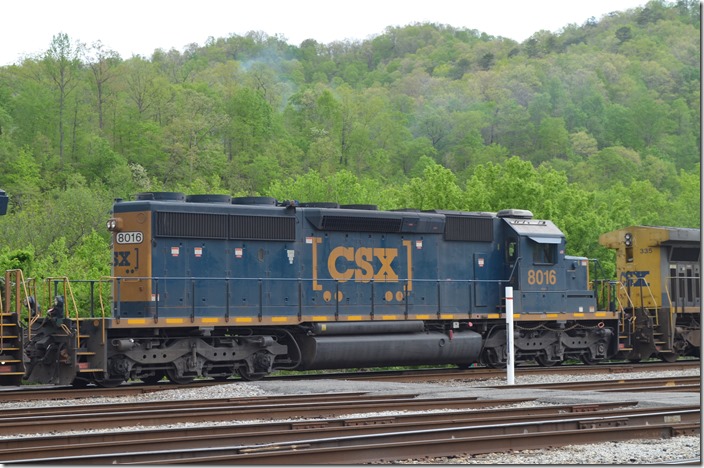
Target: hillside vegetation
[595,127]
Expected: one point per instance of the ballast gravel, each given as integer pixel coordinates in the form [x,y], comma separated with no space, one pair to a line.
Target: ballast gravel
[634,452]
[627,452]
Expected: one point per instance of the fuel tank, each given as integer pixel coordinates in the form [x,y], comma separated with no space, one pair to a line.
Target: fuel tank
[399,349]
[364,328]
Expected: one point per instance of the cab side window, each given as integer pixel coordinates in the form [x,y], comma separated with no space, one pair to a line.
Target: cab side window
[544,254]
[511,250]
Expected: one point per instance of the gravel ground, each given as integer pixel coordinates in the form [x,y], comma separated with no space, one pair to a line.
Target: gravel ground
[635,452]
[630,452]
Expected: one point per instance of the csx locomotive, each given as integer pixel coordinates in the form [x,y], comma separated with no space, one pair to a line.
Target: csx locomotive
[658,290]
[215,286]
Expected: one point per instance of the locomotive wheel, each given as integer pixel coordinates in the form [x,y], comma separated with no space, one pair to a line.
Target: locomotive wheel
[491,359]
[545,362]
[80,382]
[249,376]
[183,380]
[153,379]
[108,383]
[668,357]
[587,360]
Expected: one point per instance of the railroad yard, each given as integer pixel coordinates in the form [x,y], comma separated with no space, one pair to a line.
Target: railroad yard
[605,414]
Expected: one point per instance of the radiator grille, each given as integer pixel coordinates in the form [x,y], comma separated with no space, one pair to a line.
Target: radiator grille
[192,225]
[469,229]
[263,227]
[220,226]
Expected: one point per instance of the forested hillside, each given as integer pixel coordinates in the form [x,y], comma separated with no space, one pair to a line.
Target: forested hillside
[595,127]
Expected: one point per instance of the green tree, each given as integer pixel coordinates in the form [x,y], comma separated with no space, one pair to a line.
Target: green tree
[102,63]
[62,66]
[249,123]
[22,176]
[100,164]
[583,144]
[188,138]
[624,34]
[343,187]
[495,187]
[686,208]
[553,139]
[436,189]
[608,166]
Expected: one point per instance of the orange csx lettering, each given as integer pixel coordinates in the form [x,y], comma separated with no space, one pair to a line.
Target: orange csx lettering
[361,264]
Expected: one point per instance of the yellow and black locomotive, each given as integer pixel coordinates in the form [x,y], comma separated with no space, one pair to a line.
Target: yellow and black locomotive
[658,290]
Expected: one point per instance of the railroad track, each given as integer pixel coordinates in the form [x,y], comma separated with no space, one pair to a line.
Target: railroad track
[252,433]
[363,440]
[92,417]
[485,373]
[423,375]
[660,384]
[315,439]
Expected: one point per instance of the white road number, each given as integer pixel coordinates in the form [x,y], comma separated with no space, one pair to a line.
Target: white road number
[129,237]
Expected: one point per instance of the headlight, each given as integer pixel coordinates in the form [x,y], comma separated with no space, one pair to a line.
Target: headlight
[114,224]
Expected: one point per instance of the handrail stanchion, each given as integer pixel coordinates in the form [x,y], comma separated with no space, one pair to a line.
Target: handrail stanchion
[300,300]
[156,300]
[406,293]
[510,377]
[337,303]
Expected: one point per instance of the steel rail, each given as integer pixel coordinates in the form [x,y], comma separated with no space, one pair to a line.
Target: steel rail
[481,373]
[395,444]
[205,436]
[75,409]
[688,461]
[658,383]
[66,392]
[35,392]
[139,416]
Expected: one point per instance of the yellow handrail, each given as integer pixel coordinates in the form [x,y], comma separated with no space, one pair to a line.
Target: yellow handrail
[100,297]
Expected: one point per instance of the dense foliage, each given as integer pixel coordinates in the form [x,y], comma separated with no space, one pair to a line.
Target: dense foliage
[595,127]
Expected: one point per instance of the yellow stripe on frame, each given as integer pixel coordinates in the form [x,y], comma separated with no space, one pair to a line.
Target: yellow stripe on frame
[493,316]
[423,317]
[243,319]
[210,320]
[174,320]
[578,314]
[552,315]
[388,317]
[354,317]
[600,314]
[279,319]
[447,316]
[320,317]
[136,321]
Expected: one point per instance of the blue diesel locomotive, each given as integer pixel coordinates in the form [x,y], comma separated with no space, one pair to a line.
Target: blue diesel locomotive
[210,285]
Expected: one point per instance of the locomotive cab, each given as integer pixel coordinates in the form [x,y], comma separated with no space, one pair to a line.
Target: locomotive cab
[554,309]
[547,280]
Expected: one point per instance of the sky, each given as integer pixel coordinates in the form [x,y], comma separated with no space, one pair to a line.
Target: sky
[138,27]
